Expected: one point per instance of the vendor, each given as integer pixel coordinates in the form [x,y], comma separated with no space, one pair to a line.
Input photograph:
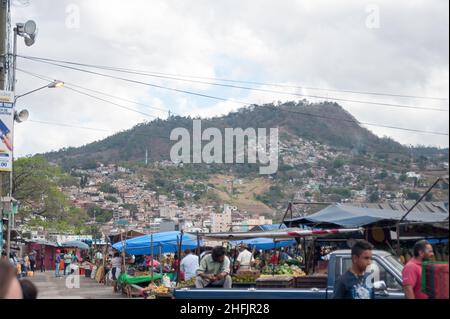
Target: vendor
[151,262]
[245,259]
[214,270]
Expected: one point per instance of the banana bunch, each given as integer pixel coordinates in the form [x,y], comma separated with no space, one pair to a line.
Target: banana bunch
[163,290]
[187,283]
[245,278]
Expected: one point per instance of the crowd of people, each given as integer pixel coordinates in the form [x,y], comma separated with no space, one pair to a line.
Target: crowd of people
[212,268]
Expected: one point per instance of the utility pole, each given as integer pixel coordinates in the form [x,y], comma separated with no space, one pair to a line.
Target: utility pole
[4,12]
[4,4]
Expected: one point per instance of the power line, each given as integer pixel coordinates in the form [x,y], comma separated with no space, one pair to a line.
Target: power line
[110,102]
[41,60]
[91,96]
[172,76]
[68,125]
[144,83]
[285,110]
[94,91]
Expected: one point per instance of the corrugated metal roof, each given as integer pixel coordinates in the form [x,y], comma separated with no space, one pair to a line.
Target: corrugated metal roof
[425,207]
[367,214]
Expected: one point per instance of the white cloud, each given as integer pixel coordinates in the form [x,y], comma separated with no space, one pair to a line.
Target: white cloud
[314,43]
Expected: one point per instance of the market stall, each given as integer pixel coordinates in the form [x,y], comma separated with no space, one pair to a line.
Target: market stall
[166,242]
[154,245]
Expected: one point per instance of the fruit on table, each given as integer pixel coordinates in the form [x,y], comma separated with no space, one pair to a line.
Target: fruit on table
[186,283]
[245,278]
[285,269]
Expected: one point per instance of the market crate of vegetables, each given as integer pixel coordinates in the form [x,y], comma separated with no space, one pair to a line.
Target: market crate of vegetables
[284,269]
[245,278]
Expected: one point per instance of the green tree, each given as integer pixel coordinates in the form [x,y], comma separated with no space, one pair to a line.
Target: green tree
[108,188]
[412,195]
[374,197]
[32,178]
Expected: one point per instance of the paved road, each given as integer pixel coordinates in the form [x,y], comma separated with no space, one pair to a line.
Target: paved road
[60,288]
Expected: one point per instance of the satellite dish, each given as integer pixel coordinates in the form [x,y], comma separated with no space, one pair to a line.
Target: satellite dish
[22,116]
[30,27]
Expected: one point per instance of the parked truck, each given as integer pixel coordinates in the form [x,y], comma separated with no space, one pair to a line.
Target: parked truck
[387,276]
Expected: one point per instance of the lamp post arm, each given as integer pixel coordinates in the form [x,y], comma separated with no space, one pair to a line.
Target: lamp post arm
[19,96]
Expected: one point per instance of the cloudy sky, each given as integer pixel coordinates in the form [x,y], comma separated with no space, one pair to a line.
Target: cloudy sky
[390,47]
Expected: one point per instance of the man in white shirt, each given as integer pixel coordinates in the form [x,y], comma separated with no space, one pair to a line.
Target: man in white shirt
[189,264]
[245,259]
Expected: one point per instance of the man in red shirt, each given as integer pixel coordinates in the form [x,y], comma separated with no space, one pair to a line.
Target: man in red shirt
[412,272]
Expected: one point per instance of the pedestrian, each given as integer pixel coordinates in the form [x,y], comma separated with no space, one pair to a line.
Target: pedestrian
[412,272]
[9,284]
[57,262]
[29,290]
[26,265]
[356,282]
[116,264]
[67,262]
[42,260]
[99,255]
[33,261]
[74,263]
[189,264]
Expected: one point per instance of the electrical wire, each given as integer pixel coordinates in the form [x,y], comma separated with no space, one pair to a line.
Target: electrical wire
[150,73]
[281,109]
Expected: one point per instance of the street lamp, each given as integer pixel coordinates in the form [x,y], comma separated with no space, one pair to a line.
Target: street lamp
[56,84]
[23,115]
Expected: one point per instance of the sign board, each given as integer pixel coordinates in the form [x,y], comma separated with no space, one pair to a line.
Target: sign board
[6,130]
[122,222]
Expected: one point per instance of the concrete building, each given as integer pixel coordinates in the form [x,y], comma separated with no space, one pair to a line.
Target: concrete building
[221,222]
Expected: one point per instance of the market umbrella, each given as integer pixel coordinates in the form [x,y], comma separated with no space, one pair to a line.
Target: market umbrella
[166,242]
[75,244]
[264,243]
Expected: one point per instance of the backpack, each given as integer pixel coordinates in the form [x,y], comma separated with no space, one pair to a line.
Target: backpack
[58,258]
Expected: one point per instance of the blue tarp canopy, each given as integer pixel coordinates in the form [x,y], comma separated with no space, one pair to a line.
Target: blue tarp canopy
[350,216]
[263,243]
[162,242]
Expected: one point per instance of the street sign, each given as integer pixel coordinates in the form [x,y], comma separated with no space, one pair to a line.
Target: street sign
[6,130]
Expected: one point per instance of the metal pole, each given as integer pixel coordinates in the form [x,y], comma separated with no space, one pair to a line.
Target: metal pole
[409,211]
[285,214]
[8,238]
[198,247]
[179,257]
[13,82]
[4,12]
[4,67]
[151,261]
